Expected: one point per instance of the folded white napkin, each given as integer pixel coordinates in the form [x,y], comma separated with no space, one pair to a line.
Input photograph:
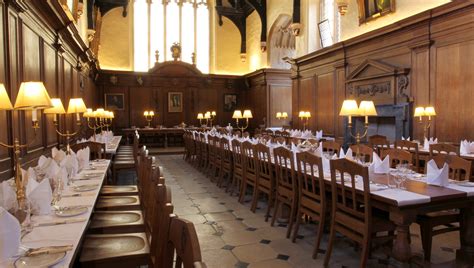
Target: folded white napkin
[60,178]
[378,166]
[347,155]
[324,159]
[319,134]
[8,195]
[426,144]
[40,196]
[307,134]
[407,139]
[58,155]
[71,165]
[83,156]
[42,160]
[10,235]
[437,176]
[466,147]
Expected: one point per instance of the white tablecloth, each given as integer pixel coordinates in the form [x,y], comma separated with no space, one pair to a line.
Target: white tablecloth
[71,233]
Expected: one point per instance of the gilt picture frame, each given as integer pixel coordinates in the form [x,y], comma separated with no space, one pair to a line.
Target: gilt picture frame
[373,9]
[230,102]
[175,102]
[114,101]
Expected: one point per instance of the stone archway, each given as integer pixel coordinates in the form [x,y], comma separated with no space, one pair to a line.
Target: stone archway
[281,42]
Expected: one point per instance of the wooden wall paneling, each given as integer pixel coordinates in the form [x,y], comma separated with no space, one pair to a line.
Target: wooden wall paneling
[5,162]
[122,117]
[279,100]
[295,102]
[420,82]
[340,96]
[67,93]
[50,81]
[307,97]
[142,100]
[13,64]
[324,112]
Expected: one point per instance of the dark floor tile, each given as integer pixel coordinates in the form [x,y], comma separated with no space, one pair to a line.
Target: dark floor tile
[251,229]
[241,265]
[283,257]
[239,219]
[265,241]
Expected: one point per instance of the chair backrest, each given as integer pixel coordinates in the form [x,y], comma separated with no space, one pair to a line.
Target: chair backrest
[362,152]
[278,133]
[183,243]
[250,165]
[397,156]
[237,132]
[350,205]
[379,141]
[246,134]
[162,216]
[225,150]
[203,143]
[136,147]
[264,165]
[97,149]
[279,139]
[331,147]
[459,169]
[237,153]
[410,146]
[443,148]
[310,179]
[285,169]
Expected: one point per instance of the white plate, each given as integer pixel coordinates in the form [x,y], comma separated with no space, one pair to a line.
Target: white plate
[466,184]
[71,211]
[42,260]
[85,187]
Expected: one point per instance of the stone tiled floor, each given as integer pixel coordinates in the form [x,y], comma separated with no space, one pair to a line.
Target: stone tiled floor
[231,235]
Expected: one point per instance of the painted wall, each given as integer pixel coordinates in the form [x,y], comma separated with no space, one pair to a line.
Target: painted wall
[116,42]
[403,8]
[256,58]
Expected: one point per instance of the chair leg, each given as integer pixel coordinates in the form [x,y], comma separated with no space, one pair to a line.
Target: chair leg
[269,206]
[254,199]
[292,218]
[275,211]
[297,225]
[365,251]
[330,243]
[319,235]
[243,189]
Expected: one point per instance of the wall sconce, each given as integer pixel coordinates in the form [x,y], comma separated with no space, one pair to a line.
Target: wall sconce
[246,115]
[108,119]
[304,116]
[76,106]
[421,112]
[281,115]
[149,117]
[210,116]
[31,96]
[342,6]
[200,117]
[350,109]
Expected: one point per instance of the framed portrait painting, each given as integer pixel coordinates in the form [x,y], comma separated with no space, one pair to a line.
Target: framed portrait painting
[175,102]
[114,101]
[230,102]
[372,9]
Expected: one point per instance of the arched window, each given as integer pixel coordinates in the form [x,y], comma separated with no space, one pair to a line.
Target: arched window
[328,11]
[158,24]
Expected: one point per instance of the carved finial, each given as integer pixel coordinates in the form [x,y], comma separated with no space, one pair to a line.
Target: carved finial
[157,56]
[193,58]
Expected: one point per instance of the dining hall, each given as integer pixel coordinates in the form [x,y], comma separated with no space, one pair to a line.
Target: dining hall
[236,133]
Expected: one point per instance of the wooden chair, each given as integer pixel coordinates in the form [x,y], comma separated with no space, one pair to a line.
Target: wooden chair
[397,156]
[411,147]
[280,140]
[97,149]
[440,148]
[351,213]
[286,189]
[379,142]
[311,192]
[238,167]
[246,134]
[265,178]
[199,156]
[184,244]
[204,152]
[250,170]
[226,161]
[211,167]
[331,147]
[361,151]
[127,163]
[441,222]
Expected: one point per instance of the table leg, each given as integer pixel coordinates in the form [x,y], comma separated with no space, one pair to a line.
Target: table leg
[166,140]
[466,235]
[401,246]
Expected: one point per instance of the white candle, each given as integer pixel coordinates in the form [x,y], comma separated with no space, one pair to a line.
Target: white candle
[366,119]
[78,118]
[34,115]
[350,119]
[55,118]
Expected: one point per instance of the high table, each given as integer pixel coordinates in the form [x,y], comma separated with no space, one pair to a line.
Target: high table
[69,233]
[156,131]
[112,145]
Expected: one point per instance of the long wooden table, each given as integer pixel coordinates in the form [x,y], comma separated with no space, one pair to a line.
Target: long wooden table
[128,132]
[432,198]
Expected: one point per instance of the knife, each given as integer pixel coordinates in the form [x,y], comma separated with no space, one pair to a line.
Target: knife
[42,224]
[48,250]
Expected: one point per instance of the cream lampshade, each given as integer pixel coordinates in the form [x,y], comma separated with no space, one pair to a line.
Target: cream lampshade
[207,115]
[76,106]
[146,113]
[57,108]
[349,108]
[284,115]
[151,113]
[237,114]
[247,114]
[89,113]
[32,95]
[366,109]
[279,115]
[307,114]
[430,111]
[213,113]
[5,103]
[200,116]
[301,114]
